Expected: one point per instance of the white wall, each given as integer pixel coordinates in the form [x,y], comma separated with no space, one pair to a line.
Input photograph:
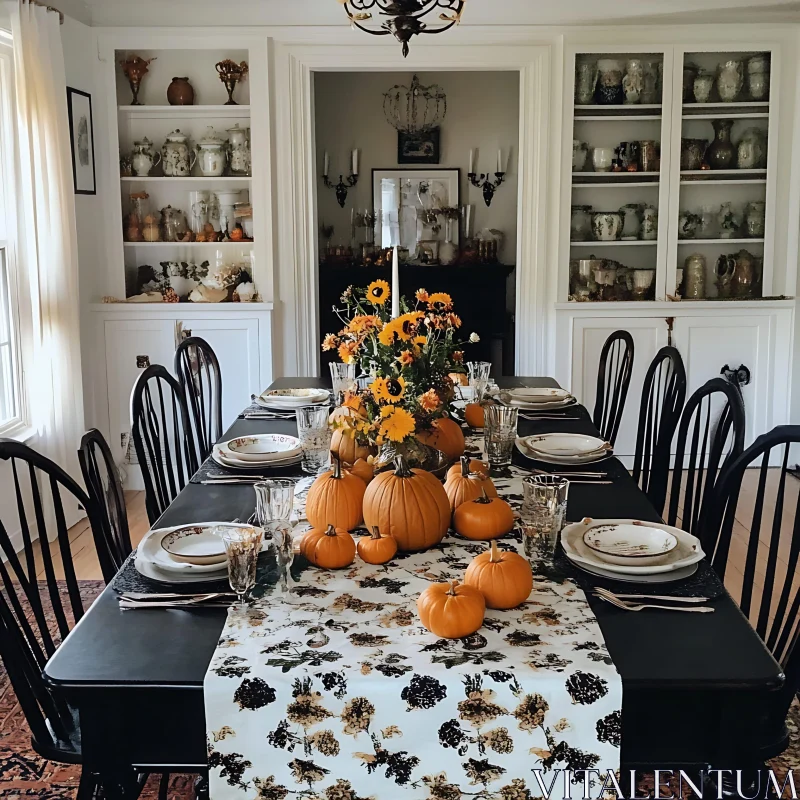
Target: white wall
[482,112]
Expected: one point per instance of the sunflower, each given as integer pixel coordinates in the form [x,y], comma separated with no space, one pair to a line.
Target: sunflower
[430,400]
[454,320]
[363,323]
[397,425]
[422,296]
[347,352]
[388,390]
[378,292]
[410,322]
[330,342]
[398,330]
[406,358]
[440,301]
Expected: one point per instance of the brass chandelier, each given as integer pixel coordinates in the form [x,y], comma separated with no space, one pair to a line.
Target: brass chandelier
[404,16]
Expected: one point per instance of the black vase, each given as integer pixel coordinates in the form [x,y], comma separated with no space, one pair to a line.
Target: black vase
[721,154]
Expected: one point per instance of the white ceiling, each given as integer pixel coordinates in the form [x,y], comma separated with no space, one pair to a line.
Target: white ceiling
[478,12]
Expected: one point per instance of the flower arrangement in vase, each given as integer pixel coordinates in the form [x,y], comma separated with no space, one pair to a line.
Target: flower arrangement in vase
[403,410]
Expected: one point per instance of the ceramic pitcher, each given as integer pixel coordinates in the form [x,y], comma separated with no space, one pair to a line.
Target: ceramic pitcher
[143,159]
[738,275]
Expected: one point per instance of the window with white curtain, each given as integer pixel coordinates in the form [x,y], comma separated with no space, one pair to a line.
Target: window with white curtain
[12,407]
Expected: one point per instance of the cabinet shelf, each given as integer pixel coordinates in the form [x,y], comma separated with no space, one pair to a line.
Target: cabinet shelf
[186,112]
[616,111]
[701,242]
[199,245]
[614,178]
[688,108]
[188,179]
[734,115]
[618,243]
[620,118]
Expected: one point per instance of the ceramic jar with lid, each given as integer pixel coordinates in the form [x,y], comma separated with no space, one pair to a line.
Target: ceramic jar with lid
[721,153]
[580,227]
[754,219]
[730,79]
[694,277]
[176,158]
[211,155]
[143,159]
[606,226]
[609,90]
[649,228]
[751,152]
[758,76]
[239,150]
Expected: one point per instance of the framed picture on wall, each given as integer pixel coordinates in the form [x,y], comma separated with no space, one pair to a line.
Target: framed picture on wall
[418,148]
[81,137]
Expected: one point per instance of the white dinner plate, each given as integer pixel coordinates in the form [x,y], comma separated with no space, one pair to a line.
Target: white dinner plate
[630,545]
[659,577]
[292,398]
[261,448]
[566,445]
[566,461]
[230,462]
[552,405]
[527,395]
[687,552]
[194,544]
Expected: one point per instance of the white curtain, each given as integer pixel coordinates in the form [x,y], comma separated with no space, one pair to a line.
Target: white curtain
[48,248]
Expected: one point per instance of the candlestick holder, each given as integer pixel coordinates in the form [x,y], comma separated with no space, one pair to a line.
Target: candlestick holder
[341,187]
[484,182]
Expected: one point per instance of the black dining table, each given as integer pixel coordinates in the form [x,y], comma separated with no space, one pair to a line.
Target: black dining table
[694,685]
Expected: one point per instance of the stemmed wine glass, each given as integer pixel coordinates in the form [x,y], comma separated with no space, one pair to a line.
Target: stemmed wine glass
[242,546]
[274,503]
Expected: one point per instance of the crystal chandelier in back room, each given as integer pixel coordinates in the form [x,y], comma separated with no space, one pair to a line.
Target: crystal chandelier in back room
[405,17]
[415,109]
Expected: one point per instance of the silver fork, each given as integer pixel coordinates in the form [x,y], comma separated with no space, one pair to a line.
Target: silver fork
[599,590]
[641,606]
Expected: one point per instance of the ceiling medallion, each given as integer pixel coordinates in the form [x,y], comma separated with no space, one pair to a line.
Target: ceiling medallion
[405,16]
[415,108]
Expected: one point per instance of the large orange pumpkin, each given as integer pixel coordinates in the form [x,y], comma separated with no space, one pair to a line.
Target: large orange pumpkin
[473,414]
[378,548]
[484,518]
[504,579]
[450,610]
[346,447]
[465,485]
[408,504]
[329,548]
[335,498]
[363,469]
[446,436]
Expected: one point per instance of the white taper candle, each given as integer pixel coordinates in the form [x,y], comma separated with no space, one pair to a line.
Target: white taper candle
[499,160]
[471,162]
[395,284]
[355,162]
[327,164]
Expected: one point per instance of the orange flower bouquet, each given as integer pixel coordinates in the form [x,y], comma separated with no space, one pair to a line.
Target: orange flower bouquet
[408,361]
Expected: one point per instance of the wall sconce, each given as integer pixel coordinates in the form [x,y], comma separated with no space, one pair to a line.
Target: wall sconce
[341,187]
[483,181]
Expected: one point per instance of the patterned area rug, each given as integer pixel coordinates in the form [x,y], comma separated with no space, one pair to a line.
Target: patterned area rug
[25,775]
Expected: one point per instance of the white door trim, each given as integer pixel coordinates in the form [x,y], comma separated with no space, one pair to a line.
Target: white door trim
[296,327]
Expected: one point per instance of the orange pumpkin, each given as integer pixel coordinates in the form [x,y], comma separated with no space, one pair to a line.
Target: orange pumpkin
[329,548]
[335,498]
[473,414]
[347,448]
[353,406]
[484,518]
[504,579]
[378,548]
[465,485]
[364,470]
[459,378]
[446,436]
[480,467]
[408,504]
[450,610]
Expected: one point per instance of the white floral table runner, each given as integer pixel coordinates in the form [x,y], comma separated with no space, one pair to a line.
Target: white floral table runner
[338,693]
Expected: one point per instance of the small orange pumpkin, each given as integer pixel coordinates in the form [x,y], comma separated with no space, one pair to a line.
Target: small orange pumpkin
[409,504]
[459,378]
[335,498]
[473,414]
[465,485]
[484,518]
[446,436]
[329,548]
[503,578]
[451,610]
[378,548]
[364,470]
[475,466]
[345,445]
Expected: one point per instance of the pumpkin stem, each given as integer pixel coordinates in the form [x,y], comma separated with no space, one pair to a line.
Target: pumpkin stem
[376,534]
[465,471]
[483,499]
[337,467]
[402,470]
[453,587]
[331,531]
[494,555]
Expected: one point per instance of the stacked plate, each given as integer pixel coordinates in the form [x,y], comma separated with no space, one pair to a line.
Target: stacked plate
[185,554]
[631,551]
[260,451]
[292,399]
[537,399]
[564,449]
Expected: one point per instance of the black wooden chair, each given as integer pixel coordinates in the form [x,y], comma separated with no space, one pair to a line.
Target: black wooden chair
[198,371]
[663,395]
[103,485]
[36,616]
[162,437]
[770,591]
[710,436]
[613,380]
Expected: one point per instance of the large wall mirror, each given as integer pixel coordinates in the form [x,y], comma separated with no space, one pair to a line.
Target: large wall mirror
[416,210]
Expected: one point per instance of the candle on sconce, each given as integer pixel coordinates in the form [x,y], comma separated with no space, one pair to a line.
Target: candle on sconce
[499,161]
[326,164]
[471,162]
[395,283]
[355,162]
